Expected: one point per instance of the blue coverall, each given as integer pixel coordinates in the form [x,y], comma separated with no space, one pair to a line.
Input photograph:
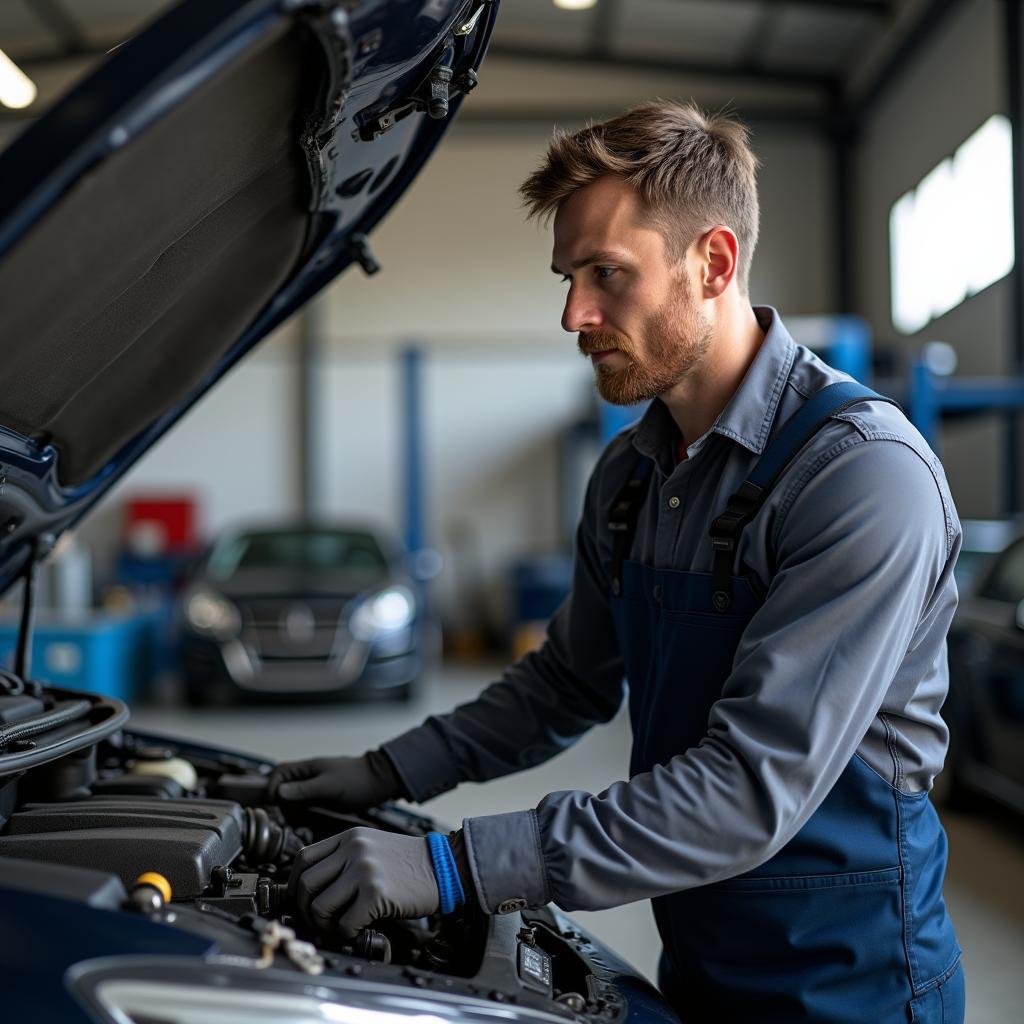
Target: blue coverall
[784,703]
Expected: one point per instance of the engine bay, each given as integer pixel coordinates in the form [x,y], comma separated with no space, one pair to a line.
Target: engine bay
[182,836]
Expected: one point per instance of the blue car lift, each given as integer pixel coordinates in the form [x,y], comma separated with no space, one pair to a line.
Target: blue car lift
[931,395]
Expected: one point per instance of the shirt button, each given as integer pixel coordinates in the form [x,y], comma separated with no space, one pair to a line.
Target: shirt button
[511,906]
[673,502]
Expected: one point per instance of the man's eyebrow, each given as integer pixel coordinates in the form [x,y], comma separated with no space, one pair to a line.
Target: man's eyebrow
[605,256]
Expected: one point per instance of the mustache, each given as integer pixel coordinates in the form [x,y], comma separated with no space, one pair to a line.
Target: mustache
[599,341]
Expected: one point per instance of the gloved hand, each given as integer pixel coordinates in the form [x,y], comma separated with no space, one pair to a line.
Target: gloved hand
[343,783]
[345,883]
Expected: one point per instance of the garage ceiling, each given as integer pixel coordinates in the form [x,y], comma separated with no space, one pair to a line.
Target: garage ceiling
[824,48]
[819,38]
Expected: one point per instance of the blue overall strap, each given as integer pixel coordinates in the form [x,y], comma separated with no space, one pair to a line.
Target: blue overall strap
[623,515]
[794,436]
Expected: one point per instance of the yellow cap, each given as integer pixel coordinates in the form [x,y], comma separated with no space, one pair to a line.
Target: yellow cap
[158,882]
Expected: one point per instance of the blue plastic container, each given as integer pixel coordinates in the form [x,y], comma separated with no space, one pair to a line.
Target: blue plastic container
[539,586]
[103,653]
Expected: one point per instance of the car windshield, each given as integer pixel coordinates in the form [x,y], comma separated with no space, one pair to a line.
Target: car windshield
[309,550]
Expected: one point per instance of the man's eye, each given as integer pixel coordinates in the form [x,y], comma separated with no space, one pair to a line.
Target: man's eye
[604,272]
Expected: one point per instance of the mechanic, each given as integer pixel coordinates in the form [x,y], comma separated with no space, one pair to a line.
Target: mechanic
[767,557]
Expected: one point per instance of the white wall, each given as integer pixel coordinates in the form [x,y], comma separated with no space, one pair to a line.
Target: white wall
[234,452]
[951,88]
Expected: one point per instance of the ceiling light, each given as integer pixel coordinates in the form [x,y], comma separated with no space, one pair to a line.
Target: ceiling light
[17,90]
[575,5]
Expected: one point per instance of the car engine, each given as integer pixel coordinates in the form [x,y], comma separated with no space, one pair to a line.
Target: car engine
[182,836]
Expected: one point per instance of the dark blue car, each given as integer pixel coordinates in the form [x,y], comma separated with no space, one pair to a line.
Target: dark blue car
[302,610]
[985,706]
[210,177]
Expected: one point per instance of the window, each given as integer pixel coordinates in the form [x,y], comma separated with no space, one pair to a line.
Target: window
[952,236]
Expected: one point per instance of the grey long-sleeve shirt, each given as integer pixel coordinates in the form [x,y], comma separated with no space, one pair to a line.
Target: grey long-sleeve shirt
[854,549]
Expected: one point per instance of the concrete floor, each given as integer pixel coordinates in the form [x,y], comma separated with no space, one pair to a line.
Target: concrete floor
[984,888]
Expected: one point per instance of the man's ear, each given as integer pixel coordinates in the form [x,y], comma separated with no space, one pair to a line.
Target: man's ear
[719,251]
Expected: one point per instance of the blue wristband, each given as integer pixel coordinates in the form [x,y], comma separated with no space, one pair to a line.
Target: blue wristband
[449,885]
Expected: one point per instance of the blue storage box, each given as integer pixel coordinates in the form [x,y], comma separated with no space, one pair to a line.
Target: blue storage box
[539,586]
[102,652]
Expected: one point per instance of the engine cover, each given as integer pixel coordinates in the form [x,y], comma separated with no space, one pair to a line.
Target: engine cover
[181,839]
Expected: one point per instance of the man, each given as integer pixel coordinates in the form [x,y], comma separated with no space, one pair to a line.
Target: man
[767,557]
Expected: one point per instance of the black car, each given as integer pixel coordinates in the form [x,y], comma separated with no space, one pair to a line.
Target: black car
[212,175]
[985,706]
[297,610]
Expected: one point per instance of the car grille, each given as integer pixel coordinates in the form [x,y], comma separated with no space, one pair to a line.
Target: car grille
[294,629]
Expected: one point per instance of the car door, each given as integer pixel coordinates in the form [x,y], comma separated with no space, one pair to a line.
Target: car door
[993,626]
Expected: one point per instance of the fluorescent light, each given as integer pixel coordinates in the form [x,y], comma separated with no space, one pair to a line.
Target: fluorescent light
[575,5]
[17,90]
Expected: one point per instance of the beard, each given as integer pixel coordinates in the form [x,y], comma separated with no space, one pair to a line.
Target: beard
[674,340]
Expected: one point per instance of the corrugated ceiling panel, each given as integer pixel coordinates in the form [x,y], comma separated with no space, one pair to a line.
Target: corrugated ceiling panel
[818,40]
[539,23]
[708,31]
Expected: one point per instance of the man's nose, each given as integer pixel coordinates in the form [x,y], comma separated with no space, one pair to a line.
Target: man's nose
[580,313]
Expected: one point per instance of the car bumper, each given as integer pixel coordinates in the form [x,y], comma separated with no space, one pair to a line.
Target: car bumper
[361,668]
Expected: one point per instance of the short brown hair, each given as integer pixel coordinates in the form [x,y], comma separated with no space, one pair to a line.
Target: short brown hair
[691,169]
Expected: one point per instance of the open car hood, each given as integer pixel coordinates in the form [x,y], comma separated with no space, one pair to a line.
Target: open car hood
[210,177]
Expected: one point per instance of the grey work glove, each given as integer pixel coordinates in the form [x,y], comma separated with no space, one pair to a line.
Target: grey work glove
[345,883]
[342,783]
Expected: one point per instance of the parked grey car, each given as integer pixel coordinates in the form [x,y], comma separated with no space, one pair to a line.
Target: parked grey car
[301,609]
[985,706]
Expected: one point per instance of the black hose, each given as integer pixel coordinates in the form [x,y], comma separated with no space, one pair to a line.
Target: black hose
[14,686]
[69,711]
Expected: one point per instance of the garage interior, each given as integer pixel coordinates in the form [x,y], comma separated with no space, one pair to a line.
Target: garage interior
[439,403]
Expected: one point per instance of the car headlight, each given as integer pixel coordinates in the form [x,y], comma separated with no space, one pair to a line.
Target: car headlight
[384,613]
[209,612]
[130,1000]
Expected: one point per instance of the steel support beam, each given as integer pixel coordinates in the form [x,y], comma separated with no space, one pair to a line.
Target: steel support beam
[414,518]
[310,456]
[929,22]
[1013,38]
[875,8]
[660,65]
[843,137]
[759,37]
[603,25]
[502,119]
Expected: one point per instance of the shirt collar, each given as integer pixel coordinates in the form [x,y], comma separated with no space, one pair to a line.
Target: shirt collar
[748,417]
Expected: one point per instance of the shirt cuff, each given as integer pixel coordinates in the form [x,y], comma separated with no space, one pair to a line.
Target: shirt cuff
[506,861]
[423,762]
